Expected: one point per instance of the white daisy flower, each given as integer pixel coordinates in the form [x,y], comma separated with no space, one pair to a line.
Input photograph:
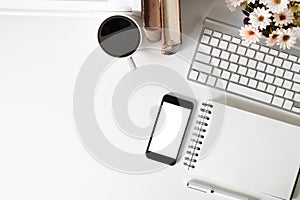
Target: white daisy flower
[277,6]
[286,17]
[250,34]
[232,4]
[260,18]
[273,38]
[287,38]
[263,2]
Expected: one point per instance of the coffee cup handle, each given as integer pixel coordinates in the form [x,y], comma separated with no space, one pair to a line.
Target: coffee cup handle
[131,64]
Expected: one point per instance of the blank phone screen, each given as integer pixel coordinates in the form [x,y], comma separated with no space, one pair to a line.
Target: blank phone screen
[169,130]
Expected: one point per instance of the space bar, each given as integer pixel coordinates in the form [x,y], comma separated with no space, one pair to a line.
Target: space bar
[248,92]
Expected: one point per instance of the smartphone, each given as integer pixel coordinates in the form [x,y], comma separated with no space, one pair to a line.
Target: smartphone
[169,129]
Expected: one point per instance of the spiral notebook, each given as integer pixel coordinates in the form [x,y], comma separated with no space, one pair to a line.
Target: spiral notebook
[244,151]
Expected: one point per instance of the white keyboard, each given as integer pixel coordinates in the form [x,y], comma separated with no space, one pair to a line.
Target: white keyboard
[257,72]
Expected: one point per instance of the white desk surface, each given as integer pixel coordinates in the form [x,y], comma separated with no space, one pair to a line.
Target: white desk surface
[41,154]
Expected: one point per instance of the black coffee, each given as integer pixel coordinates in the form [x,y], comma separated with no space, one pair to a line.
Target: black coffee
[119,36]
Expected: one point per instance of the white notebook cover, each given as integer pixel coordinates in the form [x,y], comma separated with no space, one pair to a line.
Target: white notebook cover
[252,152]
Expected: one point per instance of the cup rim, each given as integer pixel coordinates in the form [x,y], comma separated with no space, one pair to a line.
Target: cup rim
[133,21]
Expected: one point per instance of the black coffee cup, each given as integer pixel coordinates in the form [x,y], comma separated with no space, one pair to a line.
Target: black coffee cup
[120,36]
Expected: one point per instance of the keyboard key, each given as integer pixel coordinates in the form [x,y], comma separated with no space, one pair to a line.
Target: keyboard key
[261,86]
[287,84]
[297,97]
[236,40]
[194,75]
[205,39]
[296,78]
[278,81]
[207,31]
[225,55]
[226,37]
[242,70]
[264,49]
[245,43]
[271,89]
[216,52]
[288,74]
[287,104]
[279,91]
[234,77]
[217,34]
[250,53]
[296,109]
[233,67]
[269,78]
[296,67]
[269,59]
[241,50]
[279,72]
[278,62]
[243,60]
[251,73]
[223,45]
[202,67]
[202,78]
[225,74]
[277,101]
[222,84]
[203,57]
[283,55]
[224,64]
[252,63]
[211,80]
[259,56]
[287,64]
[292,58]
[215,62]
[274,52]
[217,72]
[204,48]
[233,58]
[253,83]
[249,92]
[288,94]
[232,47]
[296,87]
[270,69]
[261,66]
[244,80]
[260,76]
[214,42]
[254,46]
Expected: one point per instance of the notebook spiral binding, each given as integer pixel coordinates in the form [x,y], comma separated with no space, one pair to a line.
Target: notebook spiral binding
[198,135]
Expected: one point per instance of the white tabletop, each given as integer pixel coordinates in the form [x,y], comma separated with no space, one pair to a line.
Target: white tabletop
[42,156]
